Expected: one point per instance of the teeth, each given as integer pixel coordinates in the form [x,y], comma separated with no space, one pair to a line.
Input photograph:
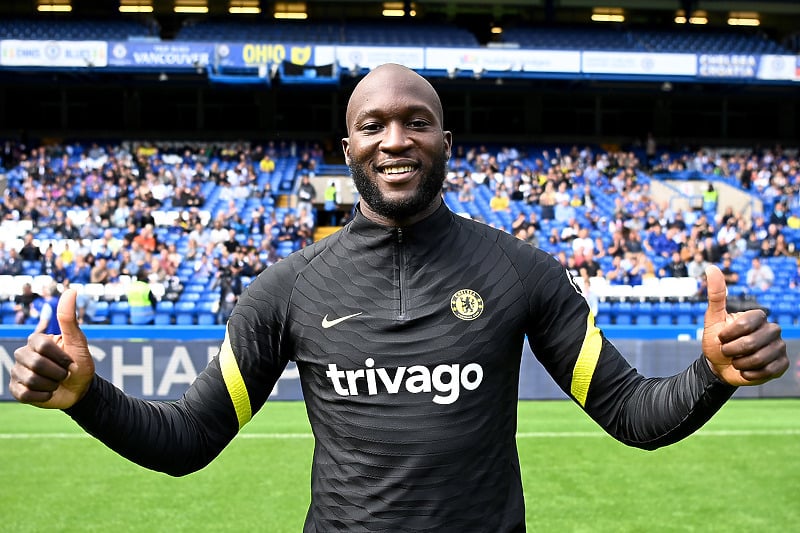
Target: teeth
[398,170]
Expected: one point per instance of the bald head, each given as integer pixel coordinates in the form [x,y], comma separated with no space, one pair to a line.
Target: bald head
[396,78]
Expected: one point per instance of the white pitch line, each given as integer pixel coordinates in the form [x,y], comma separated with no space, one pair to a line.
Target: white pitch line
[524,435]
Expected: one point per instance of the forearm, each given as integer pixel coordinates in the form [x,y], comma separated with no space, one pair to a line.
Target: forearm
[172,437]
[656,412]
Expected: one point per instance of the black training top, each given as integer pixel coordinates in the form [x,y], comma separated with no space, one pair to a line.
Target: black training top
[408,343]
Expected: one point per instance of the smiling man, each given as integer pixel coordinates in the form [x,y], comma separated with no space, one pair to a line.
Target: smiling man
[407,327]
[396,148]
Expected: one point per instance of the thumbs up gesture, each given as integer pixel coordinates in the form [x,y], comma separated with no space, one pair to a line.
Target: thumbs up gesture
[54,371]
[742,348]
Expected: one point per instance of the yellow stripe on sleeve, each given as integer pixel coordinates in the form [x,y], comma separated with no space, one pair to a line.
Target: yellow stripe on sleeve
[234,382]
[587,361]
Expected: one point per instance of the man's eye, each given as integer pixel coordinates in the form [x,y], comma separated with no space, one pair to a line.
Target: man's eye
[418,123]
[371,127]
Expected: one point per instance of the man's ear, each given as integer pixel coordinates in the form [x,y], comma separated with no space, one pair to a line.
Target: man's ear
[448,142]
[346,149]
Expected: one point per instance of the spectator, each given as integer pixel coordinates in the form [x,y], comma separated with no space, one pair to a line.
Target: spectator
[500,201]
[564,211]
[466,194]
[12,264]
[287,231]
[141,300]
[697,266]
[547,201]
[46,310]
[782,247]
[730,275]
[583,242]
[590,268]
[30,251]
[80,271]
[331,206]
[306,194]
[23,305]
[618,273]
[778,215]
[100,273]
[710,198]
[760,276]
[676,268]
[229,282]
[794,281]
[657,242]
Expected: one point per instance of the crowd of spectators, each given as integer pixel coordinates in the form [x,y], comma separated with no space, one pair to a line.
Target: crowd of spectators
[95,213]
[596,213]
[92,212]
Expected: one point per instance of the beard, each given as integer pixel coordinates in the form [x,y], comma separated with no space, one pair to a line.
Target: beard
[429,188]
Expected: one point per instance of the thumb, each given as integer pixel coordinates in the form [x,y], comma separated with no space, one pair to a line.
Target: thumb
[71,335]
[717,299]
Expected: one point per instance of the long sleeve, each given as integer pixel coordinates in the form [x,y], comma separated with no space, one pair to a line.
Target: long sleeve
[638,411]
[172,437]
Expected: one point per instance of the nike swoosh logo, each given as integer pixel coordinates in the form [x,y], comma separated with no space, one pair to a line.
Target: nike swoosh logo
[330,323]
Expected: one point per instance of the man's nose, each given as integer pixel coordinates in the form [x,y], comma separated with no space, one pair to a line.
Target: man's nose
[395,138]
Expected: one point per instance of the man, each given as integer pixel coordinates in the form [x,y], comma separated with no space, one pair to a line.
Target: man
[306,193]
[141,300]
[760,276]
[229,282]
[408,351]
[730,276]
[46,307]
[23,304]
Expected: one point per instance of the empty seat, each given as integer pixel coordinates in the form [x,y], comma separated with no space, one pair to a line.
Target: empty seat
[165,311]
[185,313]
[118,312]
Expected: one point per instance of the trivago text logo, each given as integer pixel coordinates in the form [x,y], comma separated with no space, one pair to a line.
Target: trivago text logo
[446,380]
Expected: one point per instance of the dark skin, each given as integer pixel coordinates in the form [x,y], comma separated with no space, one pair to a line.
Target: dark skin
[395,135]
[394,123]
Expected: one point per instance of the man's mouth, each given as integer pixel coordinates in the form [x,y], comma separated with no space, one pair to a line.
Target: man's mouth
[398,173]
[397,170]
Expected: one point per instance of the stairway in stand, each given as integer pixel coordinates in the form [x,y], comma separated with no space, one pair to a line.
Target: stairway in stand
[323,231]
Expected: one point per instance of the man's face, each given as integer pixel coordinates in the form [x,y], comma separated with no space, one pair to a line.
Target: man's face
[397,150]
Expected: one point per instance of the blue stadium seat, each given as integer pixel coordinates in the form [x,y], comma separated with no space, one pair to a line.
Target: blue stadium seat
[97,312]
[205,313]
[604,313]
[185,313]
[663,314]
[119,312]
[7,312]
[165,311]
[785,313]
[624,314]
[645,313]
[685,314]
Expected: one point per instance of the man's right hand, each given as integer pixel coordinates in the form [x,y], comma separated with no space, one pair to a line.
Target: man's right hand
[54,371]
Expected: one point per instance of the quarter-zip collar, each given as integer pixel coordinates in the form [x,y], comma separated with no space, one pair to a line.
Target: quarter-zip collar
[422,235]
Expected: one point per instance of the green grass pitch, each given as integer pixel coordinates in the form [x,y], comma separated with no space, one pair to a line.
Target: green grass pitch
[740,473]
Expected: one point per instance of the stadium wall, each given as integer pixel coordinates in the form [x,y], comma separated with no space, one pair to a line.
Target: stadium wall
[163,365]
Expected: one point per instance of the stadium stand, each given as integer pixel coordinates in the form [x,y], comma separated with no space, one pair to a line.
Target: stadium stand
[607,193]
[76,29]
[86,200]
[320,32]
[634,39]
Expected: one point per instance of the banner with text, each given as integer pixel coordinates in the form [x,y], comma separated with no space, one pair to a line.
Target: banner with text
[15,53]
[162,54]
[245,55]
[162,370]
